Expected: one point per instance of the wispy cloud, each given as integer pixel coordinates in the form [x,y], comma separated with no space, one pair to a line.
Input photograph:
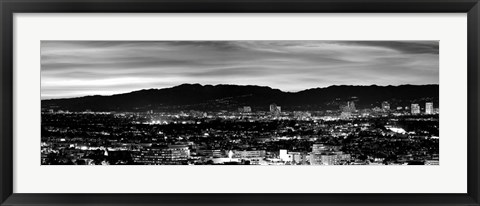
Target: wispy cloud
[79,68]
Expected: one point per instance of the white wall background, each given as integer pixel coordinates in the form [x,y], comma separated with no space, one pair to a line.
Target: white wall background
[449,177]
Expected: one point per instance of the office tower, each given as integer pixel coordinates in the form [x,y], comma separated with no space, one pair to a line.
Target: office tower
[385,106]
[415,109]
[349,107]
[429,108]
[275,109]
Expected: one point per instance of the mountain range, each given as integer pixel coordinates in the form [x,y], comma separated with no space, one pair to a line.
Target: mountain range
[230,97]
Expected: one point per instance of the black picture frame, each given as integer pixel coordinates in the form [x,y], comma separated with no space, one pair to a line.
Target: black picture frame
[10,7]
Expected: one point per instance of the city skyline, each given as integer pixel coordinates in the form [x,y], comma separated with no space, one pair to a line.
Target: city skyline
[265,103]
[347,136]
[83,68]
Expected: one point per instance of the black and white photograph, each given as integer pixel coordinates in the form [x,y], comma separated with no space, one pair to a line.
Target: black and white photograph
[240,102]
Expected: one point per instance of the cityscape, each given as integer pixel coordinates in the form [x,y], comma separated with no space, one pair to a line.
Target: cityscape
[237,123]
[347,136]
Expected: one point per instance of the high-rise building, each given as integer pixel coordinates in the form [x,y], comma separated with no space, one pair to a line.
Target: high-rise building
[385,106]
[415,109]
[429,108]
[349,107]
[275,109]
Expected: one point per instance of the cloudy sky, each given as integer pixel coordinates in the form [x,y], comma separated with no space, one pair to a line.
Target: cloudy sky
[80,68]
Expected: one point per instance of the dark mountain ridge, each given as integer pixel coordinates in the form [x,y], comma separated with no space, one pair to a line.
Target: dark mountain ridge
[230,97]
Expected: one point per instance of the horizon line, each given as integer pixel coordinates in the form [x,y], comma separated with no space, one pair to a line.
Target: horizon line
[203,85]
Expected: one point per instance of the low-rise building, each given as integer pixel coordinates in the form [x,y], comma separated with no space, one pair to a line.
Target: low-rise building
[160,155]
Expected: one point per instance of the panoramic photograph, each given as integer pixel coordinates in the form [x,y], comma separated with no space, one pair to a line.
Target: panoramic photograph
[239,102]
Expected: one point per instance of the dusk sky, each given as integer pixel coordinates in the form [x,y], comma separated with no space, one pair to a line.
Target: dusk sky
[81,68]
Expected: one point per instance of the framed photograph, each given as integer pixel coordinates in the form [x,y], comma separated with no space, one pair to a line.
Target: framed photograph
[267,102]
